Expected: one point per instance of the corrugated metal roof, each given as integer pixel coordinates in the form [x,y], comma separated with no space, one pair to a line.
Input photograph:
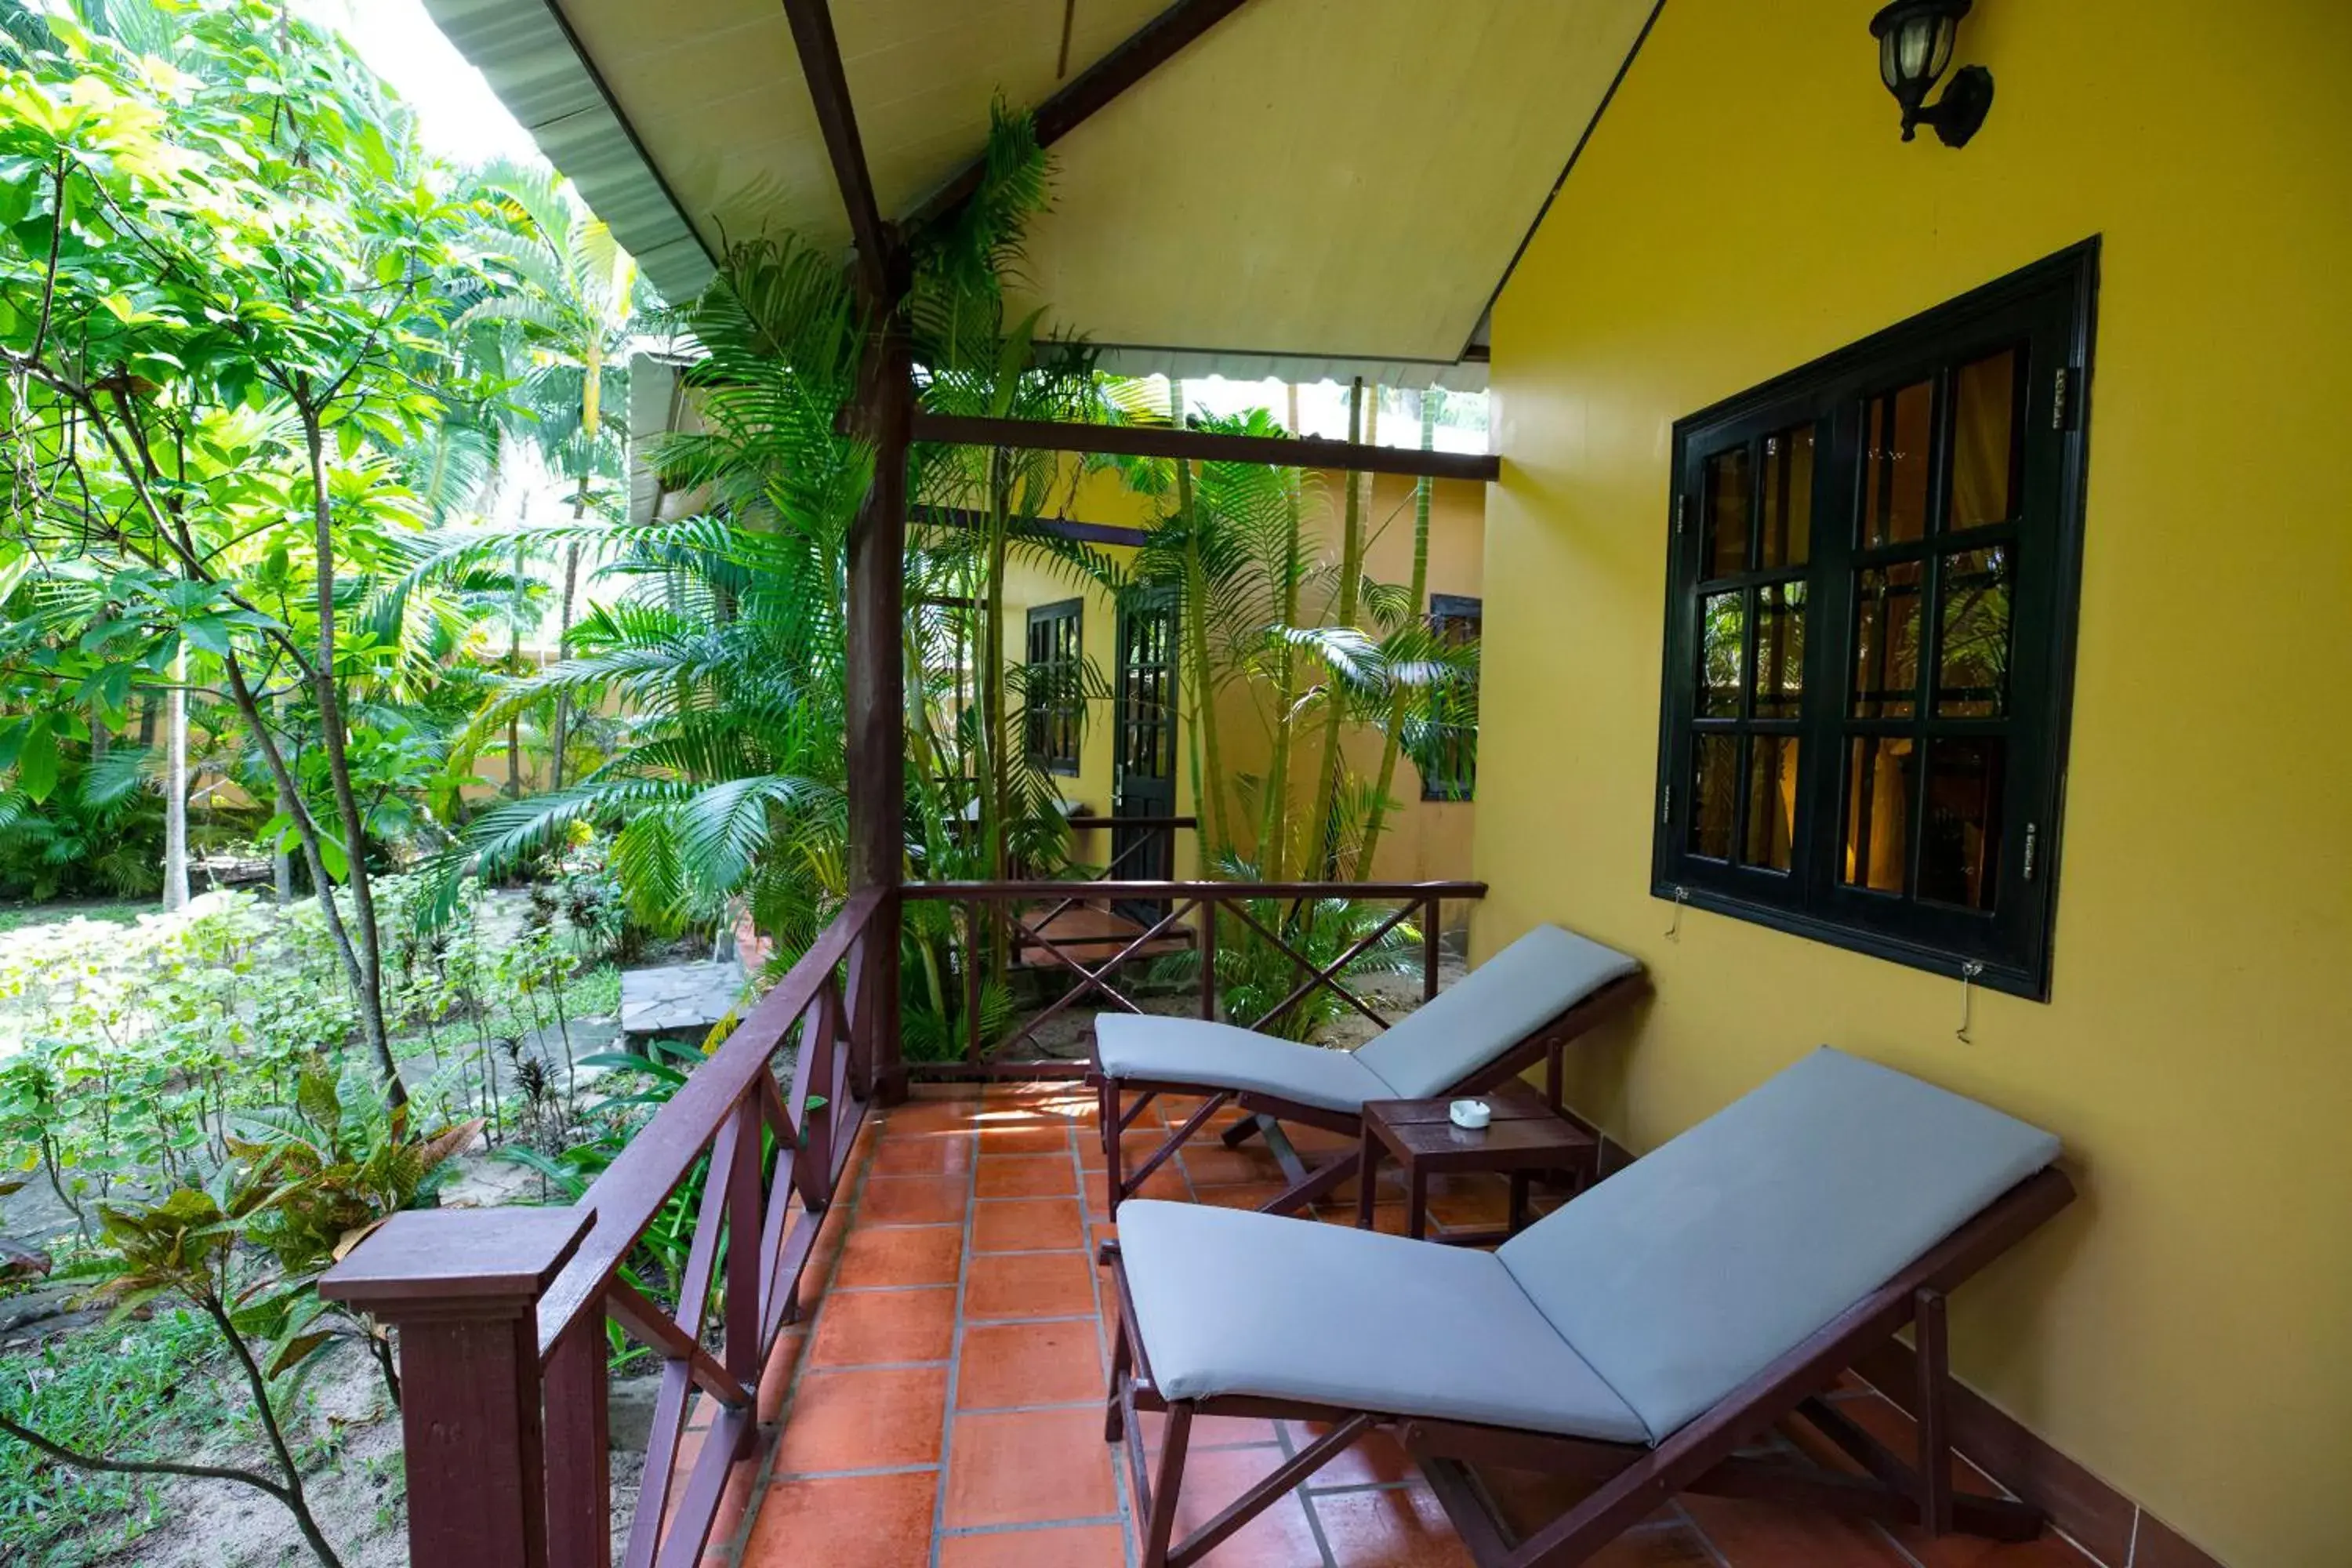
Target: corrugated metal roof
[1339,182]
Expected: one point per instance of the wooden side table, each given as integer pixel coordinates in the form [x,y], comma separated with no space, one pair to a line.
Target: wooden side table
[1525,1135]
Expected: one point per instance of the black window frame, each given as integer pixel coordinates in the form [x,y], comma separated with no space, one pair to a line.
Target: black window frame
[2048,308]
[1456,784]
[1053,704]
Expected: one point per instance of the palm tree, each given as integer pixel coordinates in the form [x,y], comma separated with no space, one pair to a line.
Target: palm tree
[569,295]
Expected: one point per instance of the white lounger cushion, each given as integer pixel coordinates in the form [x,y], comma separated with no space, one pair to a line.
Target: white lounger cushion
[1218,1055]
[1234,1301]
[1695,1267]
[1491,1009]
[1427,1052]
[1629,1311]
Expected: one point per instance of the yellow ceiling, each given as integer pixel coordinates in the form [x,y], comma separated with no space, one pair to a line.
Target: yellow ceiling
[1326,178]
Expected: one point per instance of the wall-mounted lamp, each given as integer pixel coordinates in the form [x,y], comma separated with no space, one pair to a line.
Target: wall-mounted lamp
[1915,44]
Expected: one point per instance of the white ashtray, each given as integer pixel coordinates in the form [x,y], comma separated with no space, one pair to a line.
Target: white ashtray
[1471,1113]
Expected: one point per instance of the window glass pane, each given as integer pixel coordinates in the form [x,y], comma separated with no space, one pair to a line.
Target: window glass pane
[1772,801]
[1787,497]
[1886,641]
[1726,503]
[1779,650]
[1878,811]
[1960,848]
[1984,441]
[1972,660]
[1721,620]
[1895,465]
[1715,764]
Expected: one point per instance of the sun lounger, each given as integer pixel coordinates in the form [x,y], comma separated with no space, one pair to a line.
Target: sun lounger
[1523,1004]
[1644,1337]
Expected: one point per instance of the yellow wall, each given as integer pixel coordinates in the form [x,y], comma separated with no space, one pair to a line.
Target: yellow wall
[1746,205]
[1423,840]
[1099,497]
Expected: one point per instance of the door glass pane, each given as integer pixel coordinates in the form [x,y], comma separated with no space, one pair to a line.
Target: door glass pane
[1780,649]
[1984,440]
[1959,847]
[1878,811]
[1727,514]
[1973,622]
[1787,497]
[1772,801]
[1886,641]
[1714,763]
[1721,620]
[1895,465]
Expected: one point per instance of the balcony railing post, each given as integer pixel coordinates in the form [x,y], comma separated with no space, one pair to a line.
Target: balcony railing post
[462,1286]
[579,1448]
[1429,954]
[745,1193]
[1208,959]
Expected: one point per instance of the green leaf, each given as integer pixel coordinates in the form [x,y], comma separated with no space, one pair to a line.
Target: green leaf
[298,1350]
[36,759]
[209,633]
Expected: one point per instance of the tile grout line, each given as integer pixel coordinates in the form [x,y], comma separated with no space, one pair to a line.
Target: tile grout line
[969,1129]
[1129,1525]
[870,1126]
[1314,1519]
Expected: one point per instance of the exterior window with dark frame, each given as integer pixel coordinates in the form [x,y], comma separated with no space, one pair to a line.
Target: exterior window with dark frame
[1053,701]
[1871,610]
[1448,755]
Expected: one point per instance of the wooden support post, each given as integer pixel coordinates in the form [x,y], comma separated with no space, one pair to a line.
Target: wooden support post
[579,1448]
[462,1286]
[878,667]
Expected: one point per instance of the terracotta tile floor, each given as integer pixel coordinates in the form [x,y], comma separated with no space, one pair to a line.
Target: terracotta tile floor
[942,1407]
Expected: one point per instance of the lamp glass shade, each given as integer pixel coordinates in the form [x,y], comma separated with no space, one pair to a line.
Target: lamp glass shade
[1916,41]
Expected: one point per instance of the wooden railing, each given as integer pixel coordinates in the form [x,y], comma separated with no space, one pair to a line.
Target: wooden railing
[501,1313]
[1012,905]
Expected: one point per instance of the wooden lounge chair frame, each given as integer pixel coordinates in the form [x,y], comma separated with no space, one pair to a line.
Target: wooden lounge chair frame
[1704,1456]
[1548,1042]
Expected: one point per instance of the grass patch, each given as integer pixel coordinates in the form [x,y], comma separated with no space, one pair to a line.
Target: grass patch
[137,1390]
[118,911]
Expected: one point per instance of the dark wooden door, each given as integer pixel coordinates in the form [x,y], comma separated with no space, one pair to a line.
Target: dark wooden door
[1144,775]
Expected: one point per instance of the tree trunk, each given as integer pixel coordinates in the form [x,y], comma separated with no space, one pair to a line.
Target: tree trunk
[1421,500]
[306,830]
[338,767]
[514,672]
[175,785]
[562,738]
[996,760]
[1274,846]
[1209,785]
[1324,827]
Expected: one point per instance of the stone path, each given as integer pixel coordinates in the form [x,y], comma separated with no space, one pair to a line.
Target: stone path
[679,1001]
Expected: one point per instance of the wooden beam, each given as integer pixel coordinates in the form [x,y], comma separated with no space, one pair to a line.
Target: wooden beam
[837,116]
[1203,447]
[1144,51]
[1060,527]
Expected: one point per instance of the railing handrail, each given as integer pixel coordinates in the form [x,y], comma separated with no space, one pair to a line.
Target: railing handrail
[1214,891]
[626,1198]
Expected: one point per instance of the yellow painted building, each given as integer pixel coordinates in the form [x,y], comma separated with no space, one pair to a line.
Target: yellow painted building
[1745,206]
[1424,839]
